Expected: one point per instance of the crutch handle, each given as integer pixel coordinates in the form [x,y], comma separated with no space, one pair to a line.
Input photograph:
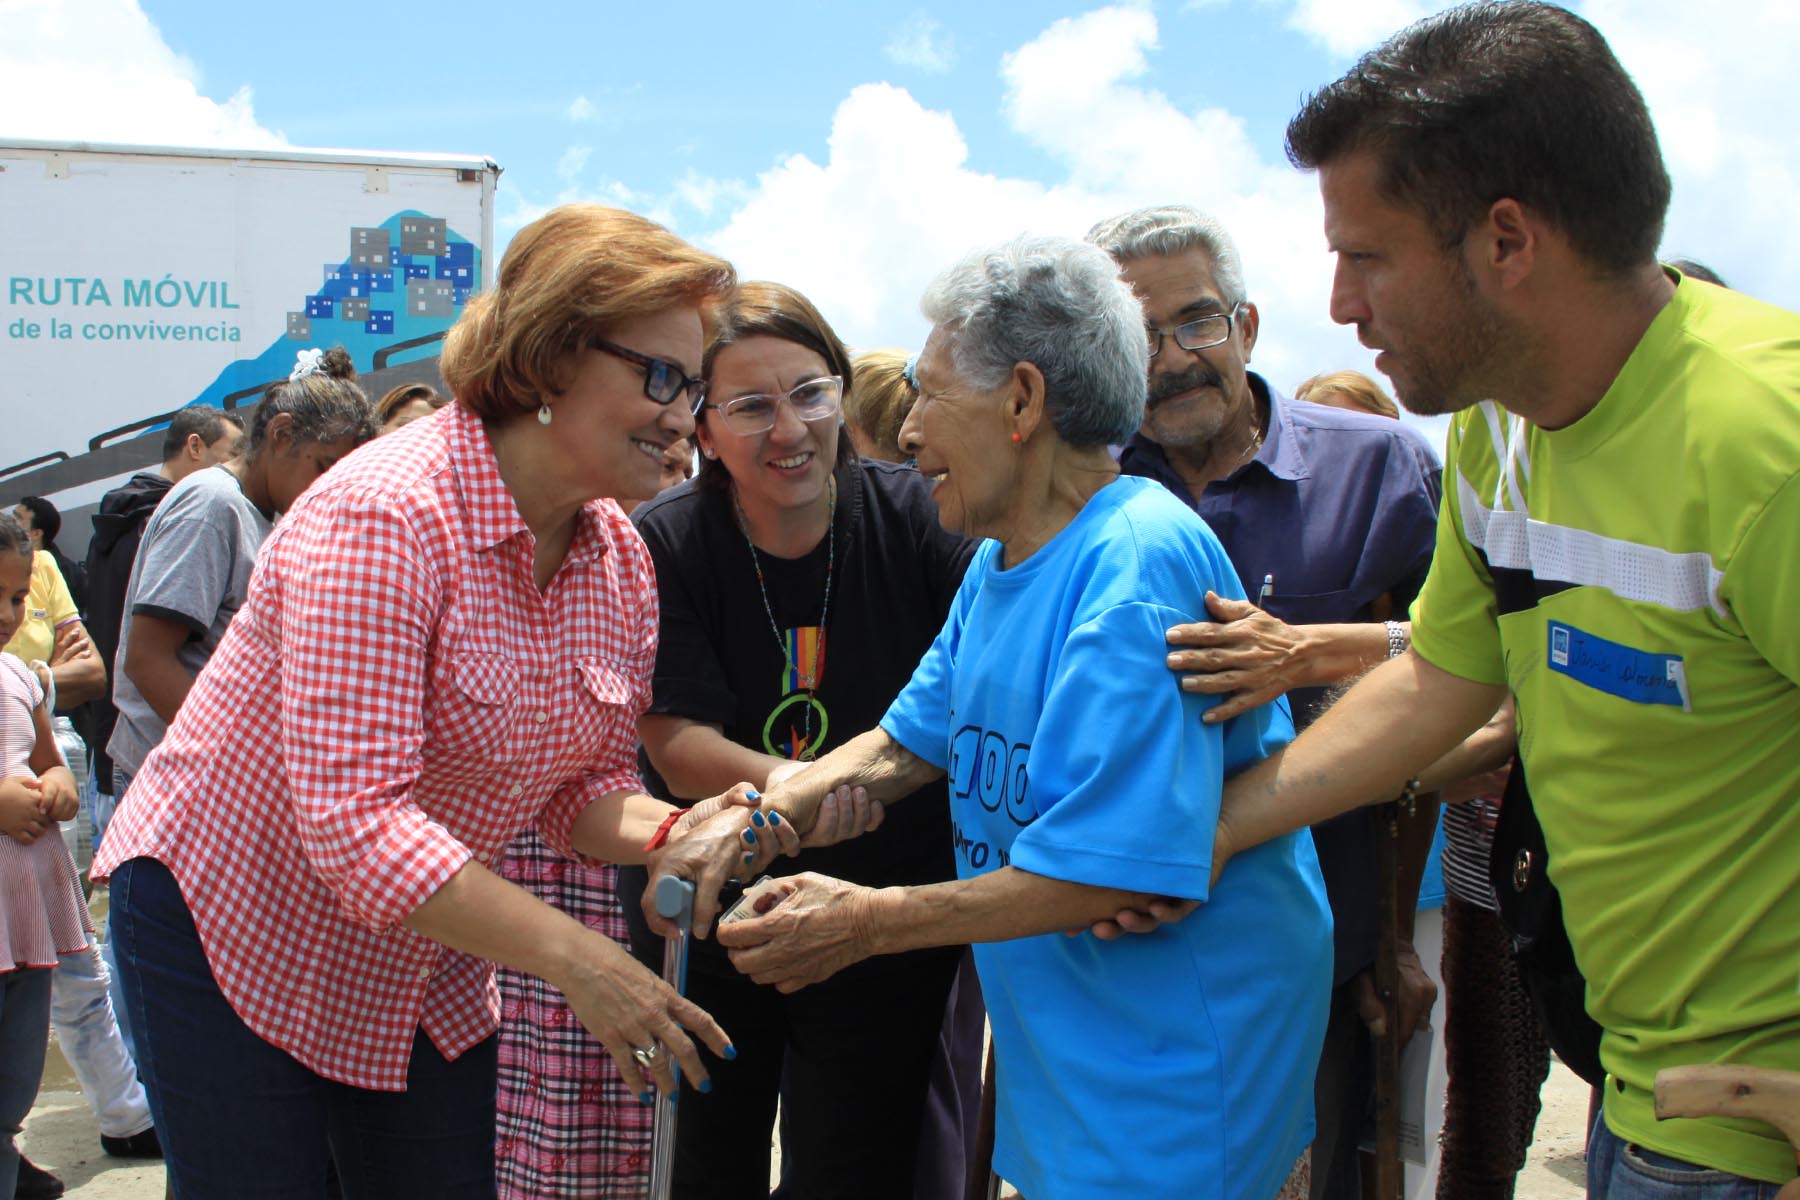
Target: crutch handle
[675,901]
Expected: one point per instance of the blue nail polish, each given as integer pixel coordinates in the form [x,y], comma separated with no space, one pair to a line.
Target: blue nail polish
[774,818]
[647,1097]
[750,836]
[748,859]
[756,819]
[730,1053]
[706,1085]
[753,795]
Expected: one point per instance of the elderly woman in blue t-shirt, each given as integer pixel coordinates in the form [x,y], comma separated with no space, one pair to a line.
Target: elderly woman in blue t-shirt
[1082,781]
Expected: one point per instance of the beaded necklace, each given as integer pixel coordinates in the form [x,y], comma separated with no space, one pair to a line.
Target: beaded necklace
[810,678]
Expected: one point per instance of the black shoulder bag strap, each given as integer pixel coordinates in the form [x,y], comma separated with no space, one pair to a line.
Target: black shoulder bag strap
[1531,910]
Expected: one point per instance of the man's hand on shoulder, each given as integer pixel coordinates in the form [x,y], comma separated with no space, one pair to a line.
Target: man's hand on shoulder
[1243,653]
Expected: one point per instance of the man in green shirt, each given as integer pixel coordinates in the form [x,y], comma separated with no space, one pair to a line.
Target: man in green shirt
[1619,547]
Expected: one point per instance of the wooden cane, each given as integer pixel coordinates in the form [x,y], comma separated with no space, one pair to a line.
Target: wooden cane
[1727,1090]
[1390,1173]
[980,1182]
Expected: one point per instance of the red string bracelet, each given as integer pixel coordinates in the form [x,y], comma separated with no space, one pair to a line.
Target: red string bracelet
[662,831]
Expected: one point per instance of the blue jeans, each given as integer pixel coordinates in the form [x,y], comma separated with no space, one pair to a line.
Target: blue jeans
[1618,1170]
[24,1038]
[239,1117]
[101,808]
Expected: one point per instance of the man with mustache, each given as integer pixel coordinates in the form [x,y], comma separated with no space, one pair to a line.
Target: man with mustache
[1329,517]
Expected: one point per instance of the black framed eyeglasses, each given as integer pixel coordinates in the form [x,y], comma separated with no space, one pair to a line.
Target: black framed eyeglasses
[813,400]
[663,380]
[1202,333]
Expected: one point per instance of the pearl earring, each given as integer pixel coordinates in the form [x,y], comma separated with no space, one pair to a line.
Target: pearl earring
[543,414]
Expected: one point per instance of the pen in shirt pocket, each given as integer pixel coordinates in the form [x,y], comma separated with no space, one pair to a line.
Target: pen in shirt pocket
[1267,590]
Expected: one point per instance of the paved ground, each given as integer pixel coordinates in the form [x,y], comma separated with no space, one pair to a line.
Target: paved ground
[61,1135]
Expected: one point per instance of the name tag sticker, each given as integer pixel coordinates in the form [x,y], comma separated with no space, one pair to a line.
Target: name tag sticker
[1617,669]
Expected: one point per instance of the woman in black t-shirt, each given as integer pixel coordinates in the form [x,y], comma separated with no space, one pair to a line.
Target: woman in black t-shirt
[799,587]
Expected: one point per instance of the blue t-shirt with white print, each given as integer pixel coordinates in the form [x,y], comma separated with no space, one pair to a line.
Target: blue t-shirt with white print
[1174,1064]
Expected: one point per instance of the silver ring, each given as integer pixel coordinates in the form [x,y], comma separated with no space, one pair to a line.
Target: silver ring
[647,1059]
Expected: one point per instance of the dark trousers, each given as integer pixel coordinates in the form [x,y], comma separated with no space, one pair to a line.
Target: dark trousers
[240,1118]
[849,1059]
[24,1040]
[1342,1092]
[1495,1056]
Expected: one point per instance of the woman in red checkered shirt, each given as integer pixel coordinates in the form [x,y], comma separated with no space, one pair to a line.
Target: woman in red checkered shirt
[448,639]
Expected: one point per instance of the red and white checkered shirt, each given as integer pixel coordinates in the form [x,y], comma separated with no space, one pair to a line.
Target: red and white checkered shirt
[394,696]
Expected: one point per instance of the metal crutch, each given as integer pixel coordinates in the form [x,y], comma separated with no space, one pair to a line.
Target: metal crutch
[674,902]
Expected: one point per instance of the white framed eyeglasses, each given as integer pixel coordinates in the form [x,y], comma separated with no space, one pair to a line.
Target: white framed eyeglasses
[812,400]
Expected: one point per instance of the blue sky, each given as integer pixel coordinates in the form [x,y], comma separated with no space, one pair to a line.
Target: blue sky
[853,150]
[723,94]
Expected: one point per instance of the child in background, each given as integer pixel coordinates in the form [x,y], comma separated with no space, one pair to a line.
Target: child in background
[41,911]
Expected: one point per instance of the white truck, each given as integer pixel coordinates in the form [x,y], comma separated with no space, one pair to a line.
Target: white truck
[142,279]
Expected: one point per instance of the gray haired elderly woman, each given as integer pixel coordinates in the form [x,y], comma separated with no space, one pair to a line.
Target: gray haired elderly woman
[1081,780]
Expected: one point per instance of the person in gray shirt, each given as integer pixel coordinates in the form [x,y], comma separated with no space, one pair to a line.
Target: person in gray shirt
[193,566]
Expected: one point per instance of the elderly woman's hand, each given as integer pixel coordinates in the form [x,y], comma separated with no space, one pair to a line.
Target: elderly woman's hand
[843,813]
[811,927]
[719,841]
[628,1008]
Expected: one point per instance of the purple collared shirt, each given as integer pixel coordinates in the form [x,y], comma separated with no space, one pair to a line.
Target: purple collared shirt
[1336,510]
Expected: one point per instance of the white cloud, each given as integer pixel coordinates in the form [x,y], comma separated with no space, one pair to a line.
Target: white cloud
[573,161]
[1719,98]
[523,209]
[580,109]
[100,71]
[922,42]
[703,194]
[863,232]
[896,199]
[1349,29]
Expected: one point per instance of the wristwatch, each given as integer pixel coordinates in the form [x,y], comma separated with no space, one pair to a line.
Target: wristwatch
[1397,639]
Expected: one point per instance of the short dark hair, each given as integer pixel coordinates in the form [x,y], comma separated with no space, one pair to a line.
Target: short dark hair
[201,419]
[13,538]
[327,405]
[398,398]
[1486,101]
[44,517]
[774,310]
[1697,270]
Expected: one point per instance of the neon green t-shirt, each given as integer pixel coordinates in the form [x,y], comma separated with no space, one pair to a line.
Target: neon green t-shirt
[1634,578]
